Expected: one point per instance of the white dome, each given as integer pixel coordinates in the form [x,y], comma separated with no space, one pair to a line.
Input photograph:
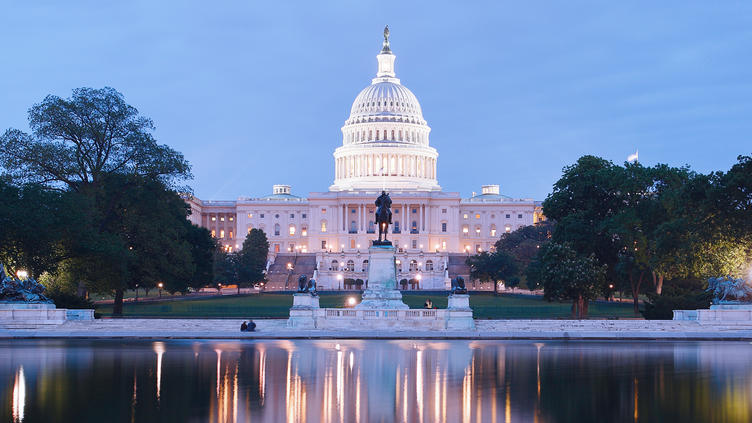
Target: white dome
[386,101]
[385,139]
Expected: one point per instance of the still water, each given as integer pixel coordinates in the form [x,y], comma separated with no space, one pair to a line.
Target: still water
[374,381]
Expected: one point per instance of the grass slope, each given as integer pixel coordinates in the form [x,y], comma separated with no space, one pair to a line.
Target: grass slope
[485,306]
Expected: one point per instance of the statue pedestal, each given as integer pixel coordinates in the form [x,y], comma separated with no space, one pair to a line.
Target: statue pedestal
[459,313]
[718,313]
[382,292]
[24,315]
[303,311]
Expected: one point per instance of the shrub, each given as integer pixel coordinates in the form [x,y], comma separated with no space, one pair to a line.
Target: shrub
[686,294]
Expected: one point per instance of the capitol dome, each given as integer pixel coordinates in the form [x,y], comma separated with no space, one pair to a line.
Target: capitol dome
[385,138]
[386,101]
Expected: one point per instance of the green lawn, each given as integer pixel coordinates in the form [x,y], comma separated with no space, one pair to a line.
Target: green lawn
[485,306]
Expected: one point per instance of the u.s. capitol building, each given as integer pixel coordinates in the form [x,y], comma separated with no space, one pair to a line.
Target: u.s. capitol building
[385,145]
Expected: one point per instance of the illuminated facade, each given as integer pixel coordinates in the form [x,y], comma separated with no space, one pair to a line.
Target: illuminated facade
[385,145]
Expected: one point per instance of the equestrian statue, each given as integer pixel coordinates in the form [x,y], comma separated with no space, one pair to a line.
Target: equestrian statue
[383,217]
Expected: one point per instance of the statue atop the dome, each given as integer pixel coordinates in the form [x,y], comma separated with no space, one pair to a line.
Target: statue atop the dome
[383,217]
[386,49]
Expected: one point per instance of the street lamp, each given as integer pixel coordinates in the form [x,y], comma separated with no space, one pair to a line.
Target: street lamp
[22,274]
[136,292]
[160,285]
[418,277]
[339,280]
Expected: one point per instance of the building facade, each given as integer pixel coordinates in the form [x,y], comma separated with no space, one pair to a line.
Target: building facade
[385,146]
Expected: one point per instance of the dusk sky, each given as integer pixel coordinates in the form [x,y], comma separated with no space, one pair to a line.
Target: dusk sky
[255,93]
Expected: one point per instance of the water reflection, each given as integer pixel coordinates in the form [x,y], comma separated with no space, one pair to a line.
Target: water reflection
[367,381]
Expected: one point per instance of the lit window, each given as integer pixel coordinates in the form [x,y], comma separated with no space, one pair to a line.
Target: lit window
[222,219]
[214,233]
[465,229]
[304,231]
[493,230]
[323,226]
[477,230]
[477,216]
[231,234]
[508,229]
[323,211]
[443,245]
[214,218]
[250,215]
[231,218]
[222,233]
[292,230]
[464,216]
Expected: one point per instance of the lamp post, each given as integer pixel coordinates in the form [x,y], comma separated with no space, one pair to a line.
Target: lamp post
[136,292]
[22,274]
[160,286]
[339,281]
[418,277]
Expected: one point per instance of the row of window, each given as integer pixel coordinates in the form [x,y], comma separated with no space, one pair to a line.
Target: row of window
[349,266]
[493,216]
[276,216]
[396,135]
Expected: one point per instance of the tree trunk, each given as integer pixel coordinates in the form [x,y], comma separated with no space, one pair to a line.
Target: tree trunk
[574,308]
[636,290]
[585,304]
[238,288]
[117,306]
[659,287]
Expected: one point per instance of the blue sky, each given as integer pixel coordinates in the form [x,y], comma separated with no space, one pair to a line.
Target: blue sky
[254,93]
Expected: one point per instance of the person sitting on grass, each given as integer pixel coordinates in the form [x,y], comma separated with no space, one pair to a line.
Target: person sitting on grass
[251,326]
[244,327]
[428,303]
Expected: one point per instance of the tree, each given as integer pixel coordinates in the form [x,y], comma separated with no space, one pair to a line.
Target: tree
[137,234]
[252,258]
[34,223]
[524,243]
[565,275]
[203,247]
[78,141]
[493,267]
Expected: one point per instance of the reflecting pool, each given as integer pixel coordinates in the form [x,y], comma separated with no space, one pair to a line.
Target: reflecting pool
[375,381]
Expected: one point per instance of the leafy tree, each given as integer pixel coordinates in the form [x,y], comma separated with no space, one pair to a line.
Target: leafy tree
[225,267]
[34,223]
[78,141]
[203,247]
[494,267]
[565,275]
[524,244]
[137,235]
[252,258]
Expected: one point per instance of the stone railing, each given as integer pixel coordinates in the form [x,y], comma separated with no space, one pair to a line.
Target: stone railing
[338,318]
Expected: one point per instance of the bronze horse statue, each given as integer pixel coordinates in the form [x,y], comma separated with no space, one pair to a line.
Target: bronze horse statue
[383,215]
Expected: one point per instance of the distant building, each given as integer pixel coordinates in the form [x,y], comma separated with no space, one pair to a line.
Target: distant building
[385,145]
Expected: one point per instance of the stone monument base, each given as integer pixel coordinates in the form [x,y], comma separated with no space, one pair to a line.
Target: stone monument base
[459,313]
[303,311]
[18,314]
[720,313]
[382,292]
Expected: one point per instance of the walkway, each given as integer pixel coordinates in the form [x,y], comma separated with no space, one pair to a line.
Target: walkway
[485,329]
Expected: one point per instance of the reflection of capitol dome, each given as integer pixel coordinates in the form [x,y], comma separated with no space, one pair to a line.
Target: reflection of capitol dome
[385,139]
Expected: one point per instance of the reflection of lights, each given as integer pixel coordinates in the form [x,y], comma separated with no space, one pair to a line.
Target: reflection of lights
[159,348]
[419,383]
[19,395]
[466,392]
[351,301]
